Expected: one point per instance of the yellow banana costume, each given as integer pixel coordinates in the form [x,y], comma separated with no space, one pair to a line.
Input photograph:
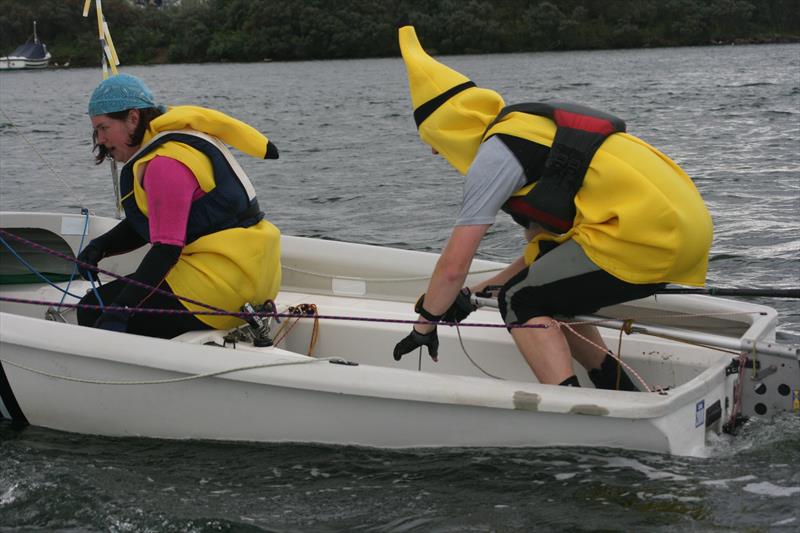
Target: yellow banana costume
[228,259]
[638,216]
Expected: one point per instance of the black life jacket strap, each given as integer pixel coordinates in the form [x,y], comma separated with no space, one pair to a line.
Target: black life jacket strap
[581,131]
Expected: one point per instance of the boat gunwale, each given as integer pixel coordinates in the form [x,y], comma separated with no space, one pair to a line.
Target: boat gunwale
[194,359]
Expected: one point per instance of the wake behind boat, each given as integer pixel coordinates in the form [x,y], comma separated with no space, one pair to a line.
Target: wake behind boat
[31,55]
[326,374]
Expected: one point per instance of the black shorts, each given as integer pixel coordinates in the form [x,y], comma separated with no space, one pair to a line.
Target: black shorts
[165,326]
[565,282]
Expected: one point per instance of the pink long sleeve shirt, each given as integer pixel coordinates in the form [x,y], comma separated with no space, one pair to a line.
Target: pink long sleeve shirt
[171,188]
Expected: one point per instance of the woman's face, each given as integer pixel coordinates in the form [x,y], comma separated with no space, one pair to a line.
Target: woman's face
[115,134]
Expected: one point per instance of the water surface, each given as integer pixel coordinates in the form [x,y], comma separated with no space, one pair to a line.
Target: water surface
[352,168]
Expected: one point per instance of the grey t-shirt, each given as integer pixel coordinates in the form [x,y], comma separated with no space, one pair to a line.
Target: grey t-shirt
[493,177]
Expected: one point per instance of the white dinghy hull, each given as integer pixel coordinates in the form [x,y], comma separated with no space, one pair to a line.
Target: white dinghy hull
[319,401]
[351,392]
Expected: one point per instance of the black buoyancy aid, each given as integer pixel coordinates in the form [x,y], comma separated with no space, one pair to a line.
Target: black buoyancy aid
[560,173]
[227,205]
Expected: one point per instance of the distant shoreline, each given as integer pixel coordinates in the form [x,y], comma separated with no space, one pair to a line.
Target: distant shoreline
[255,31]
[738,42]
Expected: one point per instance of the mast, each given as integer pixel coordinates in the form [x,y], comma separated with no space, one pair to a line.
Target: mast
[108,61]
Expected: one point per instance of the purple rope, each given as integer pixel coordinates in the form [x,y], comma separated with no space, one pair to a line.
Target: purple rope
[87,266]
[213,310]
[263,314]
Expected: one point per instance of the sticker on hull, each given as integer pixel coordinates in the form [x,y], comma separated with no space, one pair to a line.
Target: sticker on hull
[700,413]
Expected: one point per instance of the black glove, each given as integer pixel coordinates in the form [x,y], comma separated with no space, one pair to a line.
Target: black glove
[113,321]
[120,239]
[414,341]
[460,308]
[92,254]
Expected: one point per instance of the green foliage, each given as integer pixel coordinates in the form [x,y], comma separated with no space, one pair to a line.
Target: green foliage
[255,30]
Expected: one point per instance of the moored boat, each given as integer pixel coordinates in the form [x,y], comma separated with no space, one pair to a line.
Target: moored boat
[31,55]
[707,361]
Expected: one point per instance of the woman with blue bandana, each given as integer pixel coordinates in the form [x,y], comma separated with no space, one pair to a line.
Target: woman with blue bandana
[185,195]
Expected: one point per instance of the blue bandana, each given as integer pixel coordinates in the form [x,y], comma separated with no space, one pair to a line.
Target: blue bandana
[120,93]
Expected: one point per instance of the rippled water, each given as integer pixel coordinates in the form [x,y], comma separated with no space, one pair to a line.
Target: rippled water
[352,168]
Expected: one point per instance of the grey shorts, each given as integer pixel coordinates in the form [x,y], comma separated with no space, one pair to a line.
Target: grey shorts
[564,282]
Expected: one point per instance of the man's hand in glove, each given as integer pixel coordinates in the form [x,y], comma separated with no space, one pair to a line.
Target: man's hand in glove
[415,340]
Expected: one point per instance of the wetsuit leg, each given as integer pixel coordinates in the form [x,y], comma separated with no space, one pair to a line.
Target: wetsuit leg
[164,325]
[564,282]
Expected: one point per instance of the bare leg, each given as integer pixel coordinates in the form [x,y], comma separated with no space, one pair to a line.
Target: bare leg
[603,370]
[545,350]
[588,355]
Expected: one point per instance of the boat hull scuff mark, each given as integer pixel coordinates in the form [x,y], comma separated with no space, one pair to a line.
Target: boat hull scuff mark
[588,409]
[526,401]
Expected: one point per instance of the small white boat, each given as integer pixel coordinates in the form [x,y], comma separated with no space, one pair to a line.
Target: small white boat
[710,361]
[32,54]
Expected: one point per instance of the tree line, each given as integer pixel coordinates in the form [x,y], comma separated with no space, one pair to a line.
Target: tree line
[258,30]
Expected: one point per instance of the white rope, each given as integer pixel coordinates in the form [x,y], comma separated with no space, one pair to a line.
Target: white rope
[166,381]
[616,356]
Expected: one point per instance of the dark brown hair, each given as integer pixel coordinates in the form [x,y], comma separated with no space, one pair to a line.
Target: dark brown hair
[146,115]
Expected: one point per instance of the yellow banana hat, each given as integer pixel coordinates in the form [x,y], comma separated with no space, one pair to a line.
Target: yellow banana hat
[450,111]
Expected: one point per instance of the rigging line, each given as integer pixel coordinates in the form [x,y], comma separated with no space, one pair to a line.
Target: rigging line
[34,271]
[85,213]
[214,310]
[476,365]
[107,272]
[242,314]
[94,290]
[616,356]
[80,200]
[89,274]
[738,392]
[298,311]
[193,377]
[386,280]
